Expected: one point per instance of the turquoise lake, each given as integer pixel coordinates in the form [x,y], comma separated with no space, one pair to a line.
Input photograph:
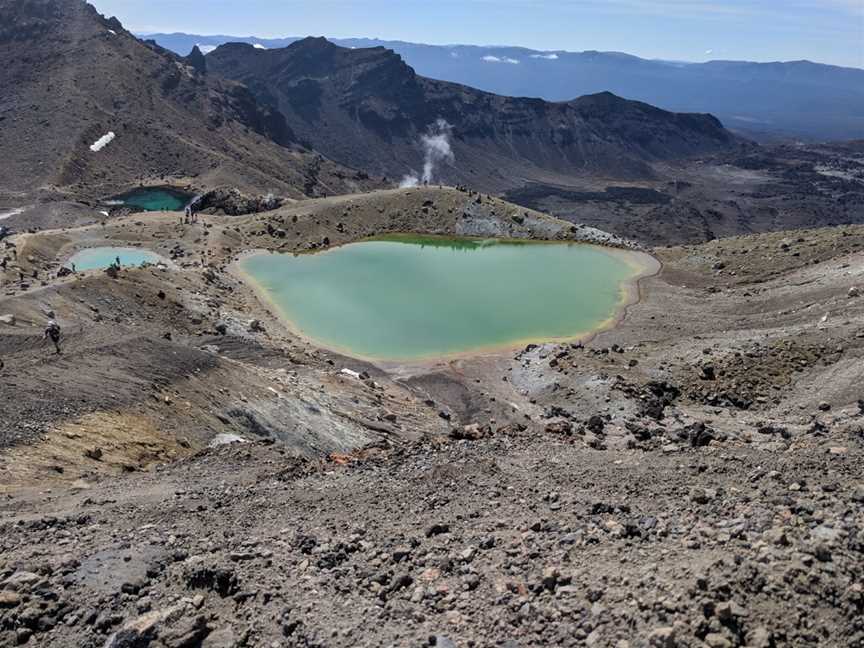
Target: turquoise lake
[154,199]
[102,257]
[411,298]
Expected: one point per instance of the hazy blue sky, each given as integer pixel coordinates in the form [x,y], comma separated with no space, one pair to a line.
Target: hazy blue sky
[827,31]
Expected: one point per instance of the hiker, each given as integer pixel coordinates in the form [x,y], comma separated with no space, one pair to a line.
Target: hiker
[117,262]
[53,333]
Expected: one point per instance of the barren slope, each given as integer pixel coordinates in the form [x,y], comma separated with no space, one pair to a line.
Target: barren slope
[71,76]
[691,478]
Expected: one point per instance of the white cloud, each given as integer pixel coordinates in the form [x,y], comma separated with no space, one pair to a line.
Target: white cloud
[259,46]
[206,49]
[496,59]
[548,57]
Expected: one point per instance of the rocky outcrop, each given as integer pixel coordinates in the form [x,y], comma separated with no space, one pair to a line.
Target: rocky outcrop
[232,202]
[196,60]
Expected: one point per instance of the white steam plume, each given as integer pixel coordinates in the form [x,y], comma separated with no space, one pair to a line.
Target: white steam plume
[436,149]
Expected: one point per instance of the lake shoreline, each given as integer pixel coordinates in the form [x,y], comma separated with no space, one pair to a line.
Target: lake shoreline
[643,264]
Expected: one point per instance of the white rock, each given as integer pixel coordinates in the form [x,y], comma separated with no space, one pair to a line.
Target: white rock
[226,439]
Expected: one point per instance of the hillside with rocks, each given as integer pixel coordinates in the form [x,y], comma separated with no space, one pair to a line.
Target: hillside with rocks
[89,110]
[189,472]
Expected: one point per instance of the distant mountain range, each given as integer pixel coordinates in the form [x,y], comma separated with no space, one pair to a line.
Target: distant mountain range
[797,99]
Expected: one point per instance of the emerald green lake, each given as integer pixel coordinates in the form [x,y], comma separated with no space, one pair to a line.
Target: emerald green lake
[154,199]
[413,298]
[102,257]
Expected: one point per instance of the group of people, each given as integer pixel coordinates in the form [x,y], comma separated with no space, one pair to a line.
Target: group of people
[191,214]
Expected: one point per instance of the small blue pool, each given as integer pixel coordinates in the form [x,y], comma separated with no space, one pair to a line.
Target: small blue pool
[102,257]
[153,199]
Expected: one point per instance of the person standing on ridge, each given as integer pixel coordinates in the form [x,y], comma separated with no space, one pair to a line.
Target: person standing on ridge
[53,333]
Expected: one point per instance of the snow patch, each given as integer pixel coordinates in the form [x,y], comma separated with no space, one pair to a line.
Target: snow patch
[259,46]
[10,214]
[226,439]
[205,49]
[547,57]
[102,142]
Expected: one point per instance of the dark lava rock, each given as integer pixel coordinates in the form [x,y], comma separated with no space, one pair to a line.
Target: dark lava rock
[699,435]
[217,579]
[596,424]
[437,529]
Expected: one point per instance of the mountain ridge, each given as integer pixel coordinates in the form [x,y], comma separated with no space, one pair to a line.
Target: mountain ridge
[759,99]
[367,108]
